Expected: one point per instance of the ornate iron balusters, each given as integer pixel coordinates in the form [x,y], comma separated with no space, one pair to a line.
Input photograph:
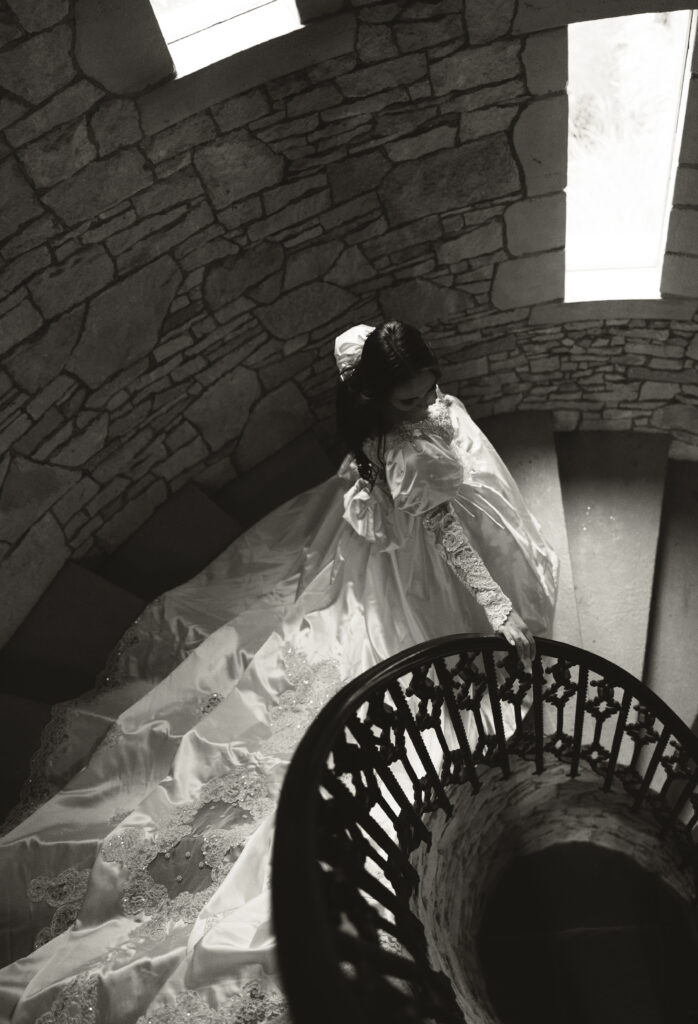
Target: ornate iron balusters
[601,709]
[390,748]
[517,686]
[461,762]
[538,684]
[433,793]
[642,733]
[406,816]
[622,713]
[563,690]
[496,707]
[652,767]
[469,688]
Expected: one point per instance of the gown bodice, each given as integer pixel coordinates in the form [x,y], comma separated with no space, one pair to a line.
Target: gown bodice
[446,458]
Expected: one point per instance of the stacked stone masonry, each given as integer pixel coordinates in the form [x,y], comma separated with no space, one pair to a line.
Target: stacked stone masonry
[169,295]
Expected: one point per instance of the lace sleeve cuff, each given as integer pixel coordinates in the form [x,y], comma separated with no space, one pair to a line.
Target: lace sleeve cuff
[454,547]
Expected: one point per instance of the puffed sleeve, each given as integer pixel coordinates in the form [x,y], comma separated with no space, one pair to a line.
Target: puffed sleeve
[422,475]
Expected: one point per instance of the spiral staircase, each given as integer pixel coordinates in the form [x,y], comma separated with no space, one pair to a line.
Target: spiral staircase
[624,520]
[440,858]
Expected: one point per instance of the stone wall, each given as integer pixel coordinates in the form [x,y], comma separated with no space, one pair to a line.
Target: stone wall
[614,374]
[177,258]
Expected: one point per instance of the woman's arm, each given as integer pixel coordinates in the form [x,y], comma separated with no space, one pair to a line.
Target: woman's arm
[453,546]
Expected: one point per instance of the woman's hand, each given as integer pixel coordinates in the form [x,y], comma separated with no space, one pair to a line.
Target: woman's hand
[516,632]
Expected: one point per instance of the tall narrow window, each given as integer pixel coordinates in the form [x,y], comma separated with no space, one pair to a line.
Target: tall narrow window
[627,84]
[200,32]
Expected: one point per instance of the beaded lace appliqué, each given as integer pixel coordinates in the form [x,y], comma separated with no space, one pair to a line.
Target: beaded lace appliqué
[65,893]
[209,704]
[254,1005]
[453,546]
[437,423]
[76,1004]
[245,789]
[312,685]
[135,848]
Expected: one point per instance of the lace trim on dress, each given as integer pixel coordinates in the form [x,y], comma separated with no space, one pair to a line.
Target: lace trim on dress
[437,423]
[76,1003]
[244,788]
[312,685]
[253,1005]
[134,848]
[453,546]
[193,848]
[65,892]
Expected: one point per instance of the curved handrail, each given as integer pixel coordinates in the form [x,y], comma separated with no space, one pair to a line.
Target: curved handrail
[336,950]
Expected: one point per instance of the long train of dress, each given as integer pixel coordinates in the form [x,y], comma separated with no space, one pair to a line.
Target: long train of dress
[137,886]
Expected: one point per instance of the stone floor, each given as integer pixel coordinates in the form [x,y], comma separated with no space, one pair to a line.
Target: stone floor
[577,934]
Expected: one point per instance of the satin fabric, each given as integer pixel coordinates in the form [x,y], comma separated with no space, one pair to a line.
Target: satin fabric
[328,585]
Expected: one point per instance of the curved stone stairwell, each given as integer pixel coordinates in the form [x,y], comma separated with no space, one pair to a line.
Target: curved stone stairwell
[621,516]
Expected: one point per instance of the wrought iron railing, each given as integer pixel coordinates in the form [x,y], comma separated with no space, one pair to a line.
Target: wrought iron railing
[387,750]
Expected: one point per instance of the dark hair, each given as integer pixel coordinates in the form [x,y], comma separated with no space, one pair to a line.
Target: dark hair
[392,354]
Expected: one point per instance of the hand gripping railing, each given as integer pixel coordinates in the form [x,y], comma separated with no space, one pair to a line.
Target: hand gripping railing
[388,749]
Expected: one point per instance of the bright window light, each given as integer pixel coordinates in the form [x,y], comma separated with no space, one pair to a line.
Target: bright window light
[627,88]
[201,32]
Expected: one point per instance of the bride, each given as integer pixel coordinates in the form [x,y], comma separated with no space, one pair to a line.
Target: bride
[137,887]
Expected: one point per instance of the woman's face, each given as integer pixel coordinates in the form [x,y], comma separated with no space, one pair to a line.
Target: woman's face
[410,400]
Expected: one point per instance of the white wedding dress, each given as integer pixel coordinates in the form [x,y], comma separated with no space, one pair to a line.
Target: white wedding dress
[136,888]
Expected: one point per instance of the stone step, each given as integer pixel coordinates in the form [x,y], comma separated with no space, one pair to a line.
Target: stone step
[612,489]
[527,444]
[672,650]
[301,464]
[65,640]
[22,721]
[181,537]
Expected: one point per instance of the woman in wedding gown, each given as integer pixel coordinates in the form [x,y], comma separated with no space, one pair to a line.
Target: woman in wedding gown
[137,888]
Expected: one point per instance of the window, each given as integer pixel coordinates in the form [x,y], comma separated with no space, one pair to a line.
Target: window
[201,32]
[627,85]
